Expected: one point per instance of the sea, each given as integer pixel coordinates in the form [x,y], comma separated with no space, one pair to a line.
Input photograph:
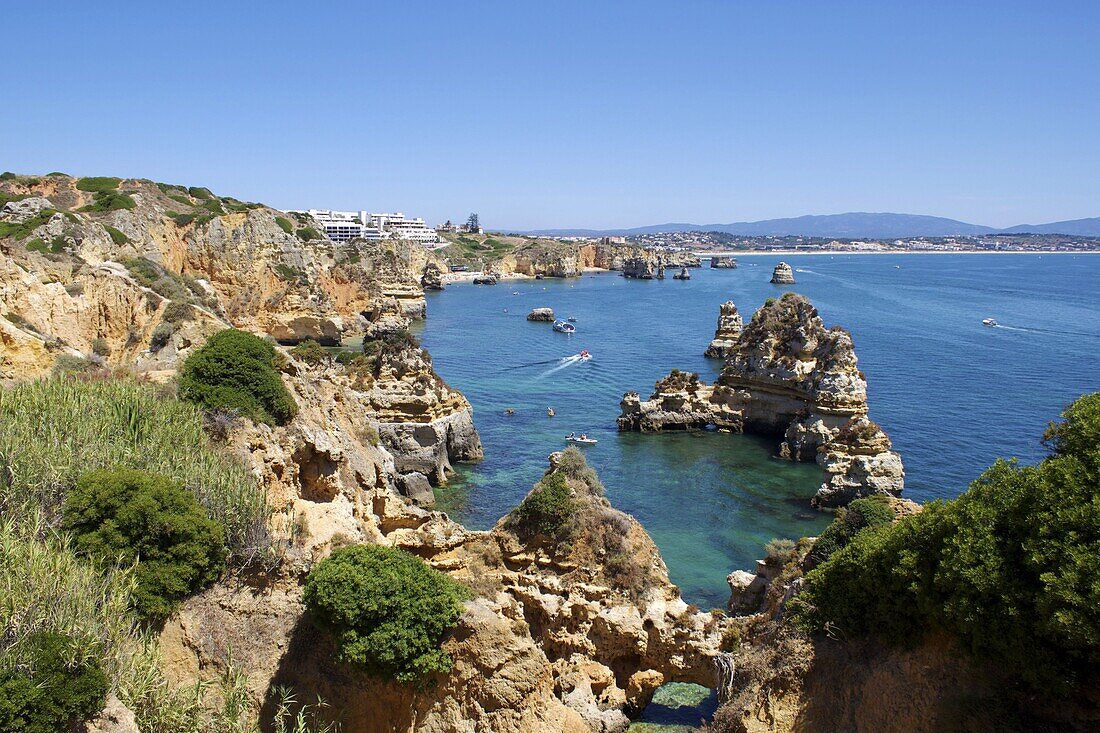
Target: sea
[954,395]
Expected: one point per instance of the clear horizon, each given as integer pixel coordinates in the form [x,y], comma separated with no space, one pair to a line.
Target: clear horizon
[573,115]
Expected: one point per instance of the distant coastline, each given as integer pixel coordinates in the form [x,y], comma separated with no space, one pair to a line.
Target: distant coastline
[818,253]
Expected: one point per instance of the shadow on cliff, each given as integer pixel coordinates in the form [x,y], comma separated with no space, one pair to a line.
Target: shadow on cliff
[357,701]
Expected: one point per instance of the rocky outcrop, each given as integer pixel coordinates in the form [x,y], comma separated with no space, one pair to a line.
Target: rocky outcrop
[541,314]
[432,279]
[788,376]
[782,274]
[723,262]
[486,279]
[683,274]
[570,259]
[727,333]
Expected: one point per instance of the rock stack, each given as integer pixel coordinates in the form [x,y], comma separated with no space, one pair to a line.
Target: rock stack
[432,279]
[683,274]
[727,333]
[782,274]
[719,262]
[541,314]
[788,376]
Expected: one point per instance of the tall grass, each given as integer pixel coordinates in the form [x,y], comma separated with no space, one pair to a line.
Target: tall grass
[53,430]
[45,586]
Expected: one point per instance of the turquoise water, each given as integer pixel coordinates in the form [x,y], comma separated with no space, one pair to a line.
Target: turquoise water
[952,394]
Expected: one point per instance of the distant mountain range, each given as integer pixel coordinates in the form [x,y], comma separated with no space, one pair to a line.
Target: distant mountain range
[853,225]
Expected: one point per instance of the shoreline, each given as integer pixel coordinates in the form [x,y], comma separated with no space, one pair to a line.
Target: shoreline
[793,252]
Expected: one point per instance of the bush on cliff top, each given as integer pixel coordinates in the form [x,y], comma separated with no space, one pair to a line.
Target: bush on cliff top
[871,511]
[236,370]
[52,431]
[1010,567]
[548,508]
[386,609]
[126,516]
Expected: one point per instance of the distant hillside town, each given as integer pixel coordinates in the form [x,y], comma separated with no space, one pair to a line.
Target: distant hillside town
[343,226]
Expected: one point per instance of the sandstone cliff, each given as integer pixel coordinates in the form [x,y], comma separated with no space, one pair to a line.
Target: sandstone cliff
[788,376]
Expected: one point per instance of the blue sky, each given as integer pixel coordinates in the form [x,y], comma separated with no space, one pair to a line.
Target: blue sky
[578,114]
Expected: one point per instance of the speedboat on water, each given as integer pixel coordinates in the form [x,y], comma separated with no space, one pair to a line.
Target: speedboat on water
[584,355]
[988,322]
[564,327]
[581,439]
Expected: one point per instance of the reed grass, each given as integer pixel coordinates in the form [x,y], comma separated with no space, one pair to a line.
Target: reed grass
[53,430]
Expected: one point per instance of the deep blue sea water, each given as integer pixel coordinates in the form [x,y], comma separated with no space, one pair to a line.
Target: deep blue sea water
[952,394]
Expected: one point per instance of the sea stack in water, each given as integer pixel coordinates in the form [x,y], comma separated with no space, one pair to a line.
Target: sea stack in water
[788,376]
[720,262]
[683,274]
[782,274]
[727,333]
[432,279]
[541,314]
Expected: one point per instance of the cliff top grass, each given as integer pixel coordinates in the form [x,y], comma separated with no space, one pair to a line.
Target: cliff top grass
[54,430]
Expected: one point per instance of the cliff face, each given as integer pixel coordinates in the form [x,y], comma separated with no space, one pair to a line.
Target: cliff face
[564,259]
[558,637]
[786,375]
[84,265]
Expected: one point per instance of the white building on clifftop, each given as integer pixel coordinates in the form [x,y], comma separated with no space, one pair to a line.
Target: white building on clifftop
[342,226]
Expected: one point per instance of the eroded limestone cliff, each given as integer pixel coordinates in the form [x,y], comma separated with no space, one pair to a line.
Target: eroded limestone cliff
[786,375]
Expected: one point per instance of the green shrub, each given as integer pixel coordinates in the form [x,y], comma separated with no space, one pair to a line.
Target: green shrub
[779,552]
[284,224]
[177,312]
[57,687]
[236,370]
[161,335]
[308,234]
[24,230]
[67,364]
[548,507]
[116,236]
[286,272]
[573,464]
[134,516]
[52,431]
[386,609]
[310,352]
[182,220]
[36,245]
[200,192]
[57,174]
[7,176]
[100,347]
[1010,567]
[214,207]
[106,201]
[98,184]
[871,511]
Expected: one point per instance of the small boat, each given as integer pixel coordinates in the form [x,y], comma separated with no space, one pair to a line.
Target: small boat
[572,319]
[584,355]
[989,322]
[549,411]
[564,327]
[510,411]
[581,439]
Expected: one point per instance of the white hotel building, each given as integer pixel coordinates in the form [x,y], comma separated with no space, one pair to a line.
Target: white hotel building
[340,226]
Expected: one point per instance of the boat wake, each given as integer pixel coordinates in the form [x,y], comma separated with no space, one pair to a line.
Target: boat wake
[531,364]
[567,361]
[1055,332]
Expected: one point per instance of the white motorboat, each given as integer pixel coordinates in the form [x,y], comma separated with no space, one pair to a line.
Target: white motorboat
[564,327]
[581,439]
[989,322]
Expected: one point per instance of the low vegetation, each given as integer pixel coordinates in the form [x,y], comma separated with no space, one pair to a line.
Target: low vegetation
[98,184]
[386,609]
[123,515]
[55,687]
[548,508]
[236,370]
[872,511]
[1009,568]
[53,431]
[284,224]
[106,201]
[164,283]
[116,236]
[308,234]
[24,230]
[310,352]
